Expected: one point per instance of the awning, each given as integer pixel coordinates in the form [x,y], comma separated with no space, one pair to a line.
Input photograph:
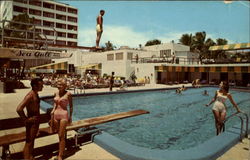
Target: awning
[96,66]
[32,54]
[54,66]
[237,46]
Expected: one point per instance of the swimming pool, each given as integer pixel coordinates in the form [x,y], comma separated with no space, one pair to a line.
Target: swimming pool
[175,122]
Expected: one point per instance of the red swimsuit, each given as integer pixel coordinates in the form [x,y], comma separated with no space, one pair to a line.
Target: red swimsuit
[61,111]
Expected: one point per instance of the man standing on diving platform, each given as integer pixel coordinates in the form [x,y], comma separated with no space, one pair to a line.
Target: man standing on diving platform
[99,27]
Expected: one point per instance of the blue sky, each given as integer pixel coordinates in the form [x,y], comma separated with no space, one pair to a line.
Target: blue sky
[131,23]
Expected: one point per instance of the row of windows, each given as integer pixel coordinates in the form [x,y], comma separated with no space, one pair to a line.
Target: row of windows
[119,56]
[57,25]
[48,5]
[45,14]
[64,43]
[60,42]
[59,34]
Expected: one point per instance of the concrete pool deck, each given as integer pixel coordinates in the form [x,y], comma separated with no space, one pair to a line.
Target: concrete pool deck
[90,151]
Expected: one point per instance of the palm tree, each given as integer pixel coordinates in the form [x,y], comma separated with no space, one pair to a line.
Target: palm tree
[220,54]
[199,44]
[23,18]
[209,42]
[109,46]
[187,39]
[153,42]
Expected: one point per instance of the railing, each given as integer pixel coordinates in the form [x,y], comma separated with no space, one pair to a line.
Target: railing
[30,36]
[242,123]
[190,61]
[176,60]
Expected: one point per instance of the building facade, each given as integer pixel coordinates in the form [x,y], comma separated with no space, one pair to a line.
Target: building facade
[56,20]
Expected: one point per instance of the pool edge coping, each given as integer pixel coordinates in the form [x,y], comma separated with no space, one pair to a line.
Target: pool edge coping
[208,150]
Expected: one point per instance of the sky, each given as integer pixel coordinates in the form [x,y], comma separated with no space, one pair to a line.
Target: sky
[130,23]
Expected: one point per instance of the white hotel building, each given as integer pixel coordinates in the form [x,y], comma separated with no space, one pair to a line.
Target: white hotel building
[58,21]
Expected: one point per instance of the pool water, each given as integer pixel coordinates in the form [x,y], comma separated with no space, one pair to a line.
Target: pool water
[175,121]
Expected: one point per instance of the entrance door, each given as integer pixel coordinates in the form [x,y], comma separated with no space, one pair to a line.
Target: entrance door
[158,77]
[224,76]
[245,78]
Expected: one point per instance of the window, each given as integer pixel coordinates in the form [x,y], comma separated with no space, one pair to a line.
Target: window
[70,35]
[37,21]
[48,5]
[38,30]
[165,53]
[48,24]
[20,9]
[61,42]
[110,57]
[61,17]
[130,56]
[35,12]
[48,14]
[72,19]
[49,33]
[71,10]
[60,25]
[119,56]
[61,34]
[35,3]
[21,1]
[60,8]
[70,27]
[72,43]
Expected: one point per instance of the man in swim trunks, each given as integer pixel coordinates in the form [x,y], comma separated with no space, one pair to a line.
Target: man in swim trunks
[99,27]
[32,103]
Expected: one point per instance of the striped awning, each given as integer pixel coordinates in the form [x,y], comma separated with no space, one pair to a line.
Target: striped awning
[201,69]
[55,66]
[237,46]
[96,66]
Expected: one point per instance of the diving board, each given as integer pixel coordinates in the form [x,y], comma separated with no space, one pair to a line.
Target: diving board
[6,140]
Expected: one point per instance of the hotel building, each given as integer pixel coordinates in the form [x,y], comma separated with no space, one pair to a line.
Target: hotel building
[58,21]
[166,63]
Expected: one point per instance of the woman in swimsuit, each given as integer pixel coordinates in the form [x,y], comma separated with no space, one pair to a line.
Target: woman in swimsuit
[60,114]
[219,107]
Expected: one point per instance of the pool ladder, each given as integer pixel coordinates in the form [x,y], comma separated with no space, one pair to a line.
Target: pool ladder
[242,123]
[82,90]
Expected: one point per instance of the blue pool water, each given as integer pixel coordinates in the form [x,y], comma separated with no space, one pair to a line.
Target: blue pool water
[175,121]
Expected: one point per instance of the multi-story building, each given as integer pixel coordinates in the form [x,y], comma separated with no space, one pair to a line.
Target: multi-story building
[56,20]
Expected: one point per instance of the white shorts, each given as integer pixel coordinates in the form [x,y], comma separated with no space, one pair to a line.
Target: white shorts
[98,28]
[219,107]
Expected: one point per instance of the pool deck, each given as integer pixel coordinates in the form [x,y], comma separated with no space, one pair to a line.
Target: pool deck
[89,151]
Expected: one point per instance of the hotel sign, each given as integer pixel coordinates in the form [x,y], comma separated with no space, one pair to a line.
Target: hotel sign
[31,54]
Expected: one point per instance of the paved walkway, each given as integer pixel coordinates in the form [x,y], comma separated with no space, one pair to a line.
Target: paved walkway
[91,151]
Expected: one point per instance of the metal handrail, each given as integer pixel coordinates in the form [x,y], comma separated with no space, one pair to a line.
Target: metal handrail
[242,123]
[247,121]
[26,39]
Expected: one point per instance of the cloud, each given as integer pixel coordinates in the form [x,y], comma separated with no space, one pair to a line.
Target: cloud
[124,36]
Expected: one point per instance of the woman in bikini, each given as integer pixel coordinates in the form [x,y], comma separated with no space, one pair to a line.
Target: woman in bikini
[60,114]
[219,107]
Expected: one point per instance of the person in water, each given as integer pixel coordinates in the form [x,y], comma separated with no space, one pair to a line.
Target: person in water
[205,93]
[219,107]
[60,115]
